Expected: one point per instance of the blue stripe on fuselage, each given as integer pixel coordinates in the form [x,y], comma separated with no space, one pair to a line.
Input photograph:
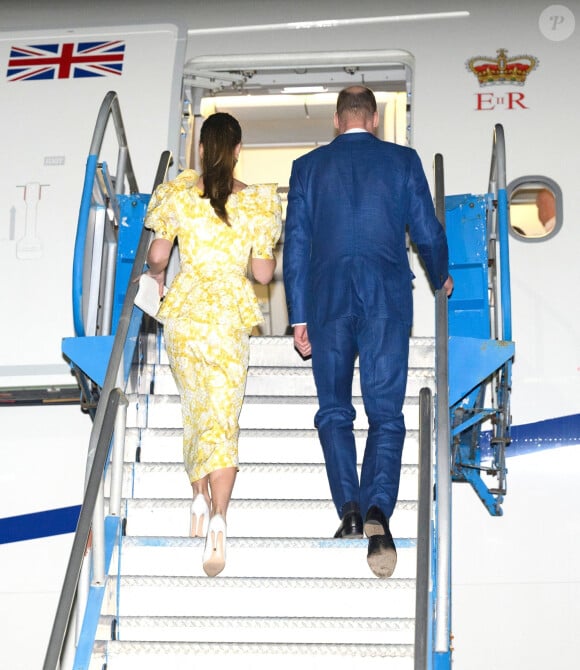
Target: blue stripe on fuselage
[39,524]
[527,438]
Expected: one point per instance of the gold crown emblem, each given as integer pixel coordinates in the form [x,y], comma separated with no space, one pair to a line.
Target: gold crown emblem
[502,70]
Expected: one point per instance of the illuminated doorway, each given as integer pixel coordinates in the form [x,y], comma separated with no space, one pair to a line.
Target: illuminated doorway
[285,104]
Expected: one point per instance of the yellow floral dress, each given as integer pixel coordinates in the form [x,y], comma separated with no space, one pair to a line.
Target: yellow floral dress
[211,308]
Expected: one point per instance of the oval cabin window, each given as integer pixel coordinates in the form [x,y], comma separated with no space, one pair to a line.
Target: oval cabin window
[535,208]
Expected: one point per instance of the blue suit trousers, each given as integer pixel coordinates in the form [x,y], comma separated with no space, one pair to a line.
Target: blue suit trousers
[382,346]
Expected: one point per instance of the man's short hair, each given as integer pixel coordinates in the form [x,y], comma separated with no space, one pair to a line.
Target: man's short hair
[356,100]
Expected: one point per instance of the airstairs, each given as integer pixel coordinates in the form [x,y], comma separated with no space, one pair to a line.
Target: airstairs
[135,594]
[289,593]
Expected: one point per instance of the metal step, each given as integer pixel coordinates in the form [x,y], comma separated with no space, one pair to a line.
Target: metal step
[278,351]
[252,518]
[266,630]
[272,412]
[159,445]
[286,559]
[252,656]
[258,596]
[272,381]
[269,481]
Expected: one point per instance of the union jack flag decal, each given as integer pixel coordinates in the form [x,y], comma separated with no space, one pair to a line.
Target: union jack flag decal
[65,61]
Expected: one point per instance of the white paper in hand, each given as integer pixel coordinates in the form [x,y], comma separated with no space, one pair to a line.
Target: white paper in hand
[147,297]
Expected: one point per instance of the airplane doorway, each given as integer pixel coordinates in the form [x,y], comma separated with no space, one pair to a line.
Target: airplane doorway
[285,105]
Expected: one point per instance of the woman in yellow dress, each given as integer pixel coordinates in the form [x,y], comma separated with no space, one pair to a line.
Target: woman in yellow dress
[210,310]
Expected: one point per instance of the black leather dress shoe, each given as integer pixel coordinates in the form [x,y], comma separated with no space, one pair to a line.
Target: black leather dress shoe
[376,523]
[382,553]
[351,526]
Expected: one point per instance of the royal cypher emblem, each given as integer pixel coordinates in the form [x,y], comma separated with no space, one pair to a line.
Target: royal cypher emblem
[502,70]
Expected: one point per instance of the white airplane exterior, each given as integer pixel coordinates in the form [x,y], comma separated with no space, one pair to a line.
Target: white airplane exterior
[450,71]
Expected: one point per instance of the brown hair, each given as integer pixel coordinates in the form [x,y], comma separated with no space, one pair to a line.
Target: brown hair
[356,100]
[220,134]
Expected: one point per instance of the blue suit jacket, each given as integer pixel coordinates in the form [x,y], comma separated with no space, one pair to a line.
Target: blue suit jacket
[349,205]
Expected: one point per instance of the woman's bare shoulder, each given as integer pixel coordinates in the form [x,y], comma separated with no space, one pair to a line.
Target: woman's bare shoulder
[239,186]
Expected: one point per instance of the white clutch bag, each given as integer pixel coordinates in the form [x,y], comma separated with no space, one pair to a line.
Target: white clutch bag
[147,298]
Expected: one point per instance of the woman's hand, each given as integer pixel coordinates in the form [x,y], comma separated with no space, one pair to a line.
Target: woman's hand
[157,259]
[160,279]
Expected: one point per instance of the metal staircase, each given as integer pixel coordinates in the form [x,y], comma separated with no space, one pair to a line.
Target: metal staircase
[135,595]
[289,593]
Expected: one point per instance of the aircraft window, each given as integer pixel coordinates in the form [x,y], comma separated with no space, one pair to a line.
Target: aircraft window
[535,208]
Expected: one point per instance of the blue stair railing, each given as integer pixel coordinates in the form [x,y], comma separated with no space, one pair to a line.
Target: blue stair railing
[98,530]
[108,232]
[99,215]
[433,580]
[473,360]
[480,348]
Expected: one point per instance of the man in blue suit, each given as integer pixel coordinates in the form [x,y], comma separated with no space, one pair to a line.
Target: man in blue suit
[348,287]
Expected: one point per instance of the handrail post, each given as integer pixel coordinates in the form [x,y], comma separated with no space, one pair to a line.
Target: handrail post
[504,260]
[443,478]
[423,529]
[498,186]
[117,460]
[118,450]
[122,159]
[69,648]
[83,589]
[441,642]
[98,537]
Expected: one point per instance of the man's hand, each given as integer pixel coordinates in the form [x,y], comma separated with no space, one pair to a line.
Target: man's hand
[448,286]
[301,341]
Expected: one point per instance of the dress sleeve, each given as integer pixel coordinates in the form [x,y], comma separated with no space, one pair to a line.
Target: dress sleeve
[267,221]
[161,215]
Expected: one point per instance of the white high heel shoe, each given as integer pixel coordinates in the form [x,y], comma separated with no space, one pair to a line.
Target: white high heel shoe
[214,554]
[199,517]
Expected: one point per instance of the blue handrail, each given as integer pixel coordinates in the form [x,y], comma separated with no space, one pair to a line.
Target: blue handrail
[482,333]
[109,108]
[80,244]
[111,397]
[497,186]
